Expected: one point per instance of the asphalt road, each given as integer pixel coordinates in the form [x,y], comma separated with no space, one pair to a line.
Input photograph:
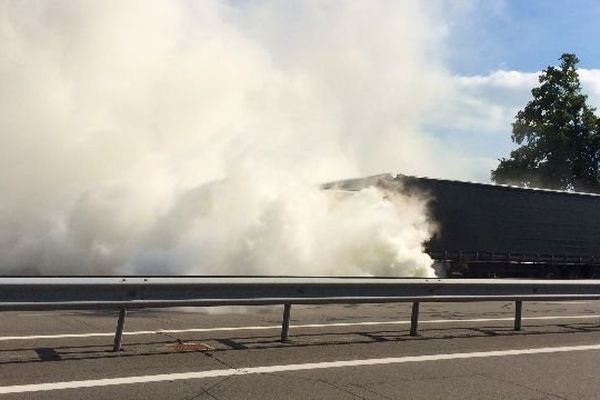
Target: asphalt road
[465,351]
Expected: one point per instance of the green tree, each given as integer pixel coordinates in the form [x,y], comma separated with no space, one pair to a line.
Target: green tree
[558,134]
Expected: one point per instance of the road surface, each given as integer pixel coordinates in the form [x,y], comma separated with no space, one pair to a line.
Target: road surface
[463,351]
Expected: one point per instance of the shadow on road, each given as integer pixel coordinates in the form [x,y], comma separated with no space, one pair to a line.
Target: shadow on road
[172,345]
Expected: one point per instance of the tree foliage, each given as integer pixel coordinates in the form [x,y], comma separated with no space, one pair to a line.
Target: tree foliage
[558,134]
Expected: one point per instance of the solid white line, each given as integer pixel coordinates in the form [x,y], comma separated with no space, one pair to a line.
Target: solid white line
[300,326]
[284,368]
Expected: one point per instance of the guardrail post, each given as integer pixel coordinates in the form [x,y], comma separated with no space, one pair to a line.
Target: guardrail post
[414,319]
[119,332]
[285,324]
[518,314]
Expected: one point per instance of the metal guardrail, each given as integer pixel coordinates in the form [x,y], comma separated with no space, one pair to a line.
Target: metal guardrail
[122,293]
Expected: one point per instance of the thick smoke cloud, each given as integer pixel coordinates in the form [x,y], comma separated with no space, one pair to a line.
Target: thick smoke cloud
[190,137]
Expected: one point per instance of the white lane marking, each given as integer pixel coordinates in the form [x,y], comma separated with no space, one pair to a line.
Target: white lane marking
[38,387]
[30,314]
[299,326]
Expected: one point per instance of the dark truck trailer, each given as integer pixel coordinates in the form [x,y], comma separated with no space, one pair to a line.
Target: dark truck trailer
[487,230]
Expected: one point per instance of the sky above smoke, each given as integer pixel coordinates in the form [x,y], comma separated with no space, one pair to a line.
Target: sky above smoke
[190,137]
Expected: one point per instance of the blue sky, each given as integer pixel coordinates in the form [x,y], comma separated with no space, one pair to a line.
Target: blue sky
[525,35]
[494,52]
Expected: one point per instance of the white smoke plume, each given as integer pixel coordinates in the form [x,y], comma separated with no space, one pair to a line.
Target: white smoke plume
[190,137]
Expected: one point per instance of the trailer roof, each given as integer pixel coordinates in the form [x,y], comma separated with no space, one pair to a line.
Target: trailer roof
[387,176]
[494,185]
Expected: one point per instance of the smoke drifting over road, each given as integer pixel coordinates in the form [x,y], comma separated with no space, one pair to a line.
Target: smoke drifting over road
[190,137]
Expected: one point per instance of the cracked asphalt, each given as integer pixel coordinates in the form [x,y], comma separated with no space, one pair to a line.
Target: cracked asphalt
[562,375]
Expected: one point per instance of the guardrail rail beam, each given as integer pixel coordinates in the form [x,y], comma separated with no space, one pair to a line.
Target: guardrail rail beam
[137,292]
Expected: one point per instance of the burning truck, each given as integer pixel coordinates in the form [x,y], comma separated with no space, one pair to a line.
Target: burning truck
[486,230]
